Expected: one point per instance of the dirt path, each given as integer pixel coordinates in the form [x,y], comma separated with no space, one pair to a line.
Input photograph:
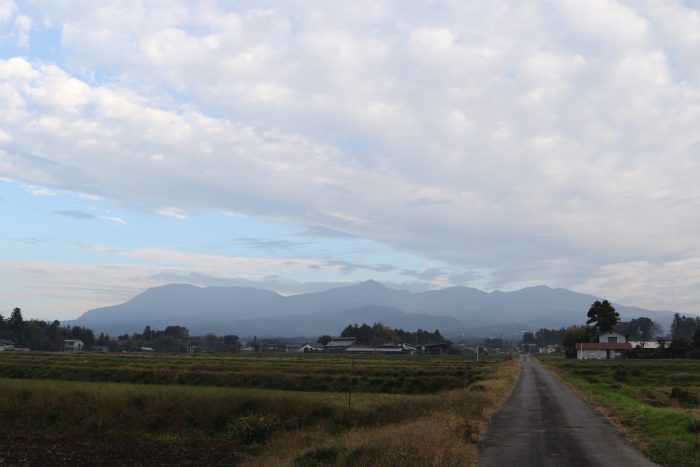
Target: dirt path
[544,423]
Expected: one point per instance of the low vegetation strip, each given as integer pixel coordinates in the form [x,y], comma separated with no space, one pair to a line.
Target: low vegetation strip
[656,402]
[445,435]
[250,426]
[390,374]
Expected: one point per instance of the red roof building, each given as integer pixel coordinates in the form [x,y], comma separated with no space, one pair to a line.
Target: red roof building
[610,345]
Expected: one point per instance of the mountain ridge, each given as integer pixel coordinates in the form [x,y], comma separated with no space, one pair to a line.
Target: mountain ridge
[253,311]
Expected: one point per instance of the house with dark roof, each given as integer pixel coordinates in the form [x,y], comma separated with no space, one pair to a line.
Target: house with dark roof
[610,345]
[339,344]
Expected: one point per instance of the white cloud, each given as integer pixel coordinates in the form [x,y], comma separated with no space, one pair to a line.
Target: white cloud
[40,191]
[90,196]
[659,285]
[23,24]
[485,134]
[172,212]
[14,25]
[7,11]
[115,219]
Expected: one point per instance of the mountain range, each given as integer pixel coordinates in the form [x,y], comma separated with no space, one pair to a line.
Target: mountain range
[248,311]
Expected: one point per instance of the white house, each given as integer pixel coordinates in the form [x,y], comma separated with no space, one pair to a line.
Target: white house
[645,344]
[72,345]
[6,345]
[610,345]
[611,337]
[552,348]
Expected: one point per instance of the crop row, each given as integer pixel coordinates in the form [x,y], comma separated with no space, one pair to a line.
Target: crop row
[366,375]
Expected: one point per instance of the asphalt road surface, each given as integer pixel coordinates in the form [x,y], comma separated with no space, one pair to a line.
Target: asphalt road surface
[544,423]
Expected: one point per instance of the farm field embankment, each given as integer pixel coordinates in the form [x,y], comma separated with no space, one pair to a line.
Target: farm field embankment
[246,409]
[655,402]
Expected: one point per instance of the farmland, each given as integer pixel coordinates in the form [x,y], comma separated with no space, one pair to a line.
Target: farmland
[655,402]
[261,409]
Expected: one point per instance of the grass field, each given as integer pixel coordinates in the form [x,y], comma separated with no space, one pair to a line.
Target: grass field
[307,372]
[656,402]
[244,409]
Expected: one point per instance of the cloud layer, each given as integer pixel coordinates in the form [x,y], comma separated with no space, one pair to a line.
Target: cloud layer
[516,142]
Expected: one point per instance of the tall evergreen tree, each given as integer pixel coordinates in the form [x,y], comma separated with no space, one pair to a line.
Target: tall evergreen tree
[602,316]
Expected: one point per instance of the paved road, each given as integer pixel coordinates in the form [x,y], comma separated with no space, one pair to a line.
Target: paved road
[544,423]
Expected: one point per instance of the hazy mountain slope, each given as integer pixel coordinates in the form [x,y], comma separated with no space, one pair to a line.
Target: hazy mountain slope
[340,298]
[194,307]
[319,323]
[454,301]
[245,310]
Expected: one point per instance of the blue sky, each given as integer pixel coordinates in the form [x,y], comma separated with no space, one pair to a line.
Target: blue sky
[293,146]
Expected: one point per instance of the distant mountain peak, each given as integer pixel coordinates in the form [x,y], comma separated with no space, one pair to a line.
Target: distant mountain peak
[258,311]
[371,283]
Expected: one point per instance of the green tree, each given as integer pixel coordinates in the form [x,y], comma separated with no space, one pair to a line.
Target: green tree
[15,322]
[683,328]
[231,342]
[572,336]
[178,332]
[103,339]
[549,336]
[168,343]
[696,338]
[602,316]
[323,340]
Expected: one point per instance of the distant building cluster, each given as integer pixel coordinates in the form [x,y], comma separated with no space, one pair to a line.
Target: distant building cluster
[349,345]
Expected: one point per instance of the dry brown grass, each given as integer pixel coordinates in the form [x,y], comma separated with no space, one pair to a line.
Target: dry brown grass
[446,435]
[262,427]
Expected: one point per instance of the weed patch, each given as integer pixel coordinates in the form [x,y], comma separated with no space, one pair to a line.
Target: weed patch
[253,429]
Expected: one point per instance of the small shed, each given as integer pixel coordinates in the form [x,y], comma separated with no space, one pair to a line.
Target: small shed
[73,345]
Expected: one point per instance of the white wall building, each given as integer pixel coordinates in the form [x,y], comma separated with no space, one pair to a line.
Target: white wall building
[610,345]
[73,345]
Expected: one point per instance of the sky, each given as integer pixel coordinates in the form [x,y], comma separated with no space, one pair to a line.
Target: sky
[293,145]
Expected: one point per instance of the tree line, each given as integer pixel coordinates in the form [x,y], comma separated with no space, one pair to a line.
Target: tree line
[41,335]
[171,339]
[685,331]
[379,334]
[51,336]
